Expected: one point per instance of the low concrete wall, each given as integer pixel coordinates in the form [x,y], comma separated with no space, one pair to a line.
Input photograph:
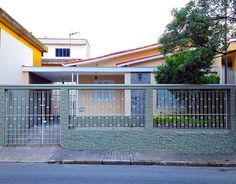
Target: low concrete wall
[197,141]
[150,138]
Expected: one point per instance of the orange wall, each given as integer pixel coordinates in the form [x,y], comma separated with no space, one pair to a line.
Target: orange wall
[115,106]
[112,62]
[153,63]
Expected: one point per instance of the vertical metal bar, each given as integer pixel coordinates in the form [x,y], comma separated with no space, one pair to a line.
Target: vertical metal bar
[179,104]
[183,108]
[194,108]
[167,103]
[202,108]
[209,108]
[221,100]
[18,111]
[42,118]
[175,107]
[72,99]
[50,128]
[226,108]
[162,104]
[213,109]
[77,96]
[217,109]
[189,107]
[15,116]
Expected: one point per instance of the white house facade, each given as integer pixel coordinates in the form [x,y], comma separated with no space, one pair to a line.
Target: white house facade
[64,49]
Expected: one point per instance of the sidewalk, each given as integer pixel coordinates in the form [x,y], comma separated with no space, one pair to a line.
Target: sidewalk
[57,155]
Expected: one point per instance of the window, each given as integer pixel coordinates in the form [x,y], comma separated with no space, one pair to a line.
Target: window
[62,52]
[103,95]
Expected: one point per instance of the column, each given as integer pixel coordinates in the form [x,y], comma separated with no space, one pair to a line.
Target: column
[149,108]
[64,113]
[153,81]
[127,97]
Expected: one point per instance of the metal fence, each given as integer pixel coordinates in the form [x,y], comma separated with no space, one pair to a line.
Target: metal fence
[106,108]
[192,108]
[32,117]
[33,112]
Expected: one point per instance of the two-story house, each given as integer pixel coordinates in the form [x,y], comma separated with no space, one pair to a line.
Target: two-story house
[62,50]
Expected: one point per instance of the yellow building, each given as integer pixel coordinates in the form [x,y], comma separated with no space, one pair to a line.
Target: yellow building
[219,65]
[18,47]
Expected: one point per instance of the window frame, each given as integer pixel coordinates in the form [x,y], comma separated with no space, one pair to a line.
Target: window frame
[103,95]
[62,52]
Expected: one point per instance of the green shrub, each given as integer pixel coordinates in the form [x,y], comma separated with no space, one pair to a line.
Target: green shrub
[181,120]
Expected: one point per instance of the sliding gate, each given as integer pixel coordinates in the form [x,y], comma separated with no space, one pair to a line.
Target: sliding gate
[32,117]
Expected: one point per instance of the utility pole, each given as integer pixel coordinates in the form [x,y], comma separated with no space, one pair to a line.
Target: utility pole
[73,33]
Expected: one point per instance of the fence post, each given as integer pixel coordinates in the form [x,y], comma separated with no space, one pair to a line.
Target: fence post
[2,115]
[232,113]
[149,108]
[64,113]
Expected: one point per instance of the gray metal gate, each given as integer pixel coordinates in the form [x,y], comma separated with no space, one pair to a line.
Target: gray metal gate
[32,117]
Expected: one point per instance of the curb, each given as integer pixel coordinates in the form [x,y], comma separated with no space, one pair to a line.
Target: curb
[90,162]
[145,162]
[132,162]
[116,162]
[21,161]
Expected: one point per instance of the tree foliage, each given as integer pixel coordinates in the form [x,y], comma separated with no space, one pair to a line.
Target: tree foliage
[196,34]
[181,68]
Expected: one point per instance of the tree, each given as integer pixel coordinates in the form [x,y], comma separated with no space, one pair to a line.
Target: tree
[190,42]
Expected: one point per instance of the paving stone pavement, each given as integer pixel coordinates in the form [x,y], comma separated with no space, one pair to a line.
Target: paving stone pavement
[27,154]
[55,154]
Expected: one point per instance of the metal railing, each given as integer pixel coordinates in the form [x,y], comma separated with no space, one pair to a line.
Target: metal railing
[32,116]
[31,107]
[107,108]
[191,108]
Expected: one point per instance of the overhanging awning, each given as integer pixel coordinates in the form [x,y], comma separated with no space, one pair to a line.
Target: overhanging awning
[64,73]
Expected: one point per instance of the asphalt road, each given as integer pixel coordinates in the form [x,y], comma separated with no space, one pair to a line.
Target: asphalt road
[96,174]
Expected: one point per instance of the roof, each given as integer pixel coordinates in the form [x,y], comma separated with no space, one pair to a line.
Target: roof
[54,61]
[64,41]
[110,56]
[12,24]
[139,60]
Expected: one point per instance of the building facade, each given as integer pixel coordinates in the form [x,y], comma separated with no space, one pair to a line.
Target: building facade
[61,50]
[18,47]
[231,65]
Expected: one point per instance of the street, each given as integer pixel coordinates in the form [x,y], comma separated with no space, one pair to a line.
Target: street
[56,173]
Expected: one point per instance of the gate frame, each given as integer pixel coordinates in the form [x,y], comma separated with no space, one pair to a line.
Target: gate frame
[2,116]
[42,105]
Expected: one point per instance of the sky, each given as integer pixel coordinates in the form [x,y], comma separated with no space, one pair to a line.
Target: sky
[108,25]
